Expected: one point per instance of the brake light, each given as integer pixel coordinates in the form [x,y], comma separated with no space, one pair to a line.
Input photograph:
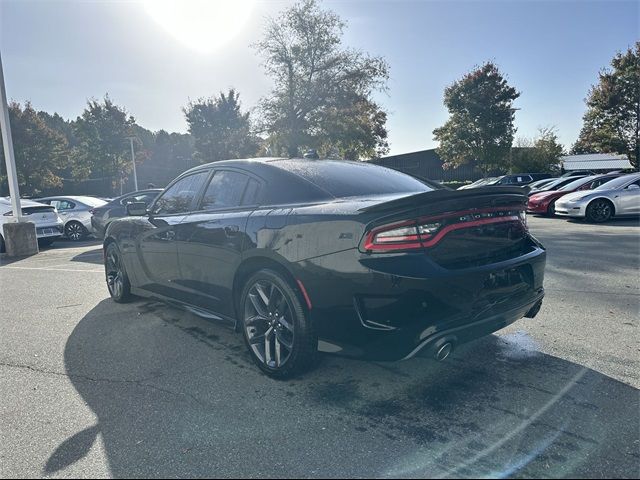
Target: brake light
[427,232]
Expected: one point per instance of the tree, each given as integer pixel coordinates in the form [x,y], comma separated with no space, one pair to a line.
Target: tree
[612,120]
[322,91]
[480,126]
[219,128]
[41,153]
[541,154]
[103,149]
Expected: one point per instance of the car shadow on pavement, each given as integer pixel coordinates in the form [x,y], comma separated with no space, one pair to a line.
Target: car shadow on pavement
[94,256]
[176,395]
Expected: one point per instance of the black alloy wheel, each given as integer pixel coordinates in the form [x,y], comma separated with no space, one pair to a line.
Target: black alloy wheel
[599,211]
[75,231]
[117,280]
[278,334]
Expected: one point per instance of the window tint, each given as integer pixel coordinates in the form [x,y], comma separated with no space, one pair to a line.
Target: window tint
[350,179]
[65,205]
[179,197]
[615,184]
[224,190]
[251,194]
[142,197]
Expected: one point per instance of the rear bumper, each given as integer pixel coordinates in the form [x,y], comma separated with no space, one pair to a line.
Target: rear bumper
[404,304]
[49,231]
[474,330]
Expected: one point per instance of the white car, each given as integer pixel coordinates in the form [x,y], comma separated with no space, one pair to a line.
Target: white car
[75,212]
[49,226]
[619,197]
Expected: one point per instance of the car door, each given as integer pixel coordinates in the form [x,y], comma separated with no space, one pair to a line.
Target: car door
[629,199]
[210,241]
[65,209]
[156,245]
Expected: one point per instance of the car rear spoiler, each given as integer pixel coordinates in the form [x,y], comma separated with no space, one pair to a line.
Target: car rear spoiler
[503,196]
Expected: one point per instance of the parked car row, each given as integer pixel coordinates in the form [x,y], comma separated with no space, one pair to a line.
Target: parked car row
[75,217]
[597,198]
[577,194]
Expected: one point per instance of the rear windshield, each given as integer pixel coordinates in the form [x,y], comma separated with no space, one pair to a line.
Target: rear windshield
[353,179]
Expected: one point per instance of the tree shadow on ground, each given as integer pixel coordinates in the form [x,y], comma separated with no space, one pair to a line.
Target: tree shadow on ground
[177,396]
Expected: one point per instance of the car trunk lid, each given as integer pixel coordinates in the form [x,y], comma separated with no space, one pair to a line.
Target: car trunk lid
[458,229]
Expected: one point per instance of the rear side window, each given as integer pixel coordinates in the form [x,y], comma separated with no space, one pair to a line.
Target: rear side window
[179,197]
[225,190]
[352,179]
[251,193]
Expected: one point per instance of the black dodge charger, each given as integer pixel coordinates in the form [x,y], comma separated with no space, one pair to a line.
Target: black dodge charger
[307,255]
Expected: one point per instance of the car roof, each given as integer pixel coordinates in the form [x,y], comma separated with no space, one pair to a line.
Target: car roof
[23,202]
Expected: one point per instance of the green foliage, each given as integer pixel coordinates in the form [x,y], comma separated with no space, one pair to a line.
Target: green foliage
[611,123]
[539,155]
[40,152]
[219,128]
[480,126]
[322,91]
[168,155]
[102,147]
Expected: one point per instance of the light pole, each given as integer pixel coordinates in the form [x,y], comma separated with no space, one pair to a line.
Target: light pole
[7,141]
[133,160]
[20,238]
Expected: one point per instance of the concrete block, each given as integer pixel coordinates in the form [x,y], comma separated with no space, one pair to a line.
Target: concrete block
[20,239]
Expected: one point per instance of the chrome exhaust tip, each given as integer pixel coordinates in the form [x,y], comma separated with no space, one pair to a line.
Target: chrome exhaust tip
[444,351]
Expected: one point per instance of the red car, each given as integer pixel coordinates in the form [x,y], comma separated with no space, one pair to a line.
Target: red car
[544,203]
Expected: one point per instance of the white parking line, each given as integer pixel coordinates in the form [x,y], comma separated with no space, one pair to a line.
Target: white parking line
[50,269]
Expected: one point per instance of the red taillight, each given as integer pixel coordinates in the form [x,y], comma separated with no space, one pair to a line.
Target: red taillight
[427,232]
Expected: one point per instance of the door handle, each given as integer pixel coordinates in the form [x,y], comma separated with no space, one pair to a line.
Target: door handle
[231,230]
[170,235]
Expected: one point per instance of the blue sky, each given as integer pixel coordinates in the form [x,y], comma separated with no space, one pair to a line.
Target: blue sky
[59,54]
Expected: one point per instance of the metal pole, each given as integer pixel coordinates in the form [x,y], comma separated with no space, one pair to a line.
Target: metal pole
[12,176]
[133,160]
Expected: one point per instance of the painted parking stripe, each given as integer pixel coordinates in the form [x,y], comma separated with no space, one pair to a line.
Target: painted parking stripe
[50,269]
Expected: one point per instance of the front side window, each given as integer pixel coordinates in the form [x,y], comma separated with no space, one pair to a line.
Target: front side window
[179,197]
[225,190]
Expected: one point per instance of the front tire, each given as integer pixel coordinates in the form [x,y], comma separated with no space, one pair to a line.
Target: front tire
[551,209]
[116,275]
[599,211]
[276,327]
[75,231]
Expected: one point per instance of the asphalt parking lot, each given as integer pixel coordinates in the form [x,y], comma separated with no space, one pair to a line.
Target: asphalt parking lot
[93,388]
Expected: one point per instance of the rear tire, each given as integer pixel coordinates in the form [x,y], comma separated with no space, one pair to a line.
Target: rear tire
[2,247]
[75,231]
[117,280]
[599,211]
[277,331]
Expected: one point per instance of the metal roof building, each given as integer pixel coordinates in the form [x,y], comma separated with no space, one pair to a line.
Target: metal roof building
[595,161]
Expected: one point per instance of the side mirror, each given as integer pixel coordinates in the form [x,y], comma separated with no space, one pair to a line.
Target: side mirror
[633,186]
[136,209]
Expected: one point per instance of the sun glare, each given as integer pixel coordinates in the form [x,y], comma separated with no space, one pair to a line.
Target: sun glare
[200,24]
